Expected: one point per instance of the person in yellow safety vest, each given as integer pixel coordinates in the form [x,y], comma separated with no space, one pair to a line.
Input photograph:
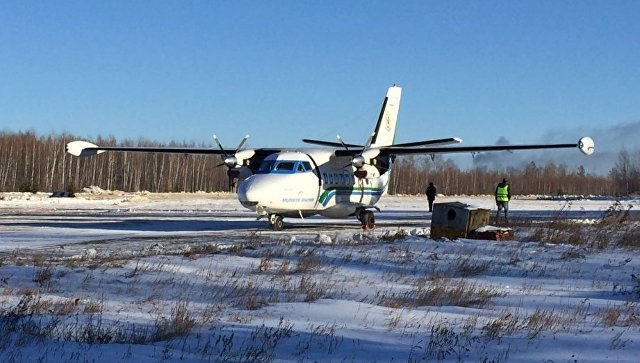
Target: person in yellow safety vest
[503,195]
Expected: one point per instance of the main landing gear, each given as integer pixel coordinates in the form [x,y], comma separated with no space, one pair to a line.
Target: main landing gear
[276,222]
[367,219]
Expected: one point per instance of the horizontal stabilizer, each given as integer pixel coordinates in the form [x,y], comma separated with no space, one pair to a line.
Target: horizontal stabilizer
[450,140]
[330,143]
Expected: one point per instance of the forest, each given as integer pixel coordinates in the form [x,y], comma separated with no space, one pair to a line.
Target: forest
[33,163]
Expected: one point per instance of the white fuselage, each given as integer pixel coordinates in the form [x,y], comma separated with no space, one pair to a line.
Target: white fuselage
[311,181]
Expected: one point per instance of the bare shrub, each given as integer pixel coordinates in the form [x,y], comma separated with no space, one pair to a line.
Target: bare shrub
[438,292]
[446,345]
[617,342]
[250,296]
[179,323]
[65,307]
[95,306]
[308,263]
[394,319]
[265,261]
[443,342]
[139,268]
[211,313]
[616,225]
[610,316]
[465,267]
[507,323]
[31,304]
[541,320]
[265,340]
[630,236]
[313,289]
[559,230]
[616,214]
[43,273]
[470,324]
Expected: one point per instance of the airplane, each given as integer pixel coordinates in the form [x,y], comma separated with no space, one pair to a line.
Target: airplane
[332,179]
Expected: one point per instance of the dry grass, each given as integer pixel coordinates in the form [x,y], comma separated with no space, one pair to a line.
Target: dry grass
[441,292]
[615,228]
[188,292]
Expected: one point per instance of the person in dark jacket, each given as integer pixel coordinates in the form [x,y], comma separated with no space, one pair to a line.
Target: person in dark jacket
[503,196]
[431,195]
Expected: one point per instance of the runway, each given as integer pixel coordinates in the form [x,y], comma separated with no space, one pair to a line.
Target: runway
[71,226]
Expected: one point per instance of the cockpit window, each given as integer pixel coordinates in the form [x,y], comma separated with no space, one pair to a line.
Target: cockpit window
[285,166]
[265,166]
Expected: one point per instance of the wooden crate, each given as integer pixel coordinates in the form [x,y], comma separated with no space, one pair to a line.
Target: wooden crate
[456,220]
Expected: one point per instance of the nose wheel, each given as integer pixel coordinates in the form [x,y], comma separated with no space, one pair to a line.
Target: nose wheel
[276,222]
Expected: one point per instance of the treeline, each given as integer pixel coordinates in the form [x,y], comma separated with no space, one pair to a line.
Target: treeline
[411,175]
[32,163]
[40,163]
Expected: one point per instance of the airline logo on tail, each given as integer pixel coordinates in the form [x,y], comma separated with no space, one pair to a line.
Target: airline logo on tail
[386,127]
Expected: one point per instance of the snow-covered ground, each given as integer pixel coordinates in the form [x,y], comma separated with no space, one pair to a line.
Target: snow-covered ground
[195,277]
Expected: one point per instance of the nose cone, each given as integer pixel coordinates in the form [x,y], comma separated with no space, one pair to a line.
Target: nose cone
[249,193]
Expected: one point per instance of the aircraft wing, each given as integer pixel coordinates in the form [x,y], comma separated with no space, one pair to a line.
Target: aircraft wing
[83,148]
[232,158]
[585,145]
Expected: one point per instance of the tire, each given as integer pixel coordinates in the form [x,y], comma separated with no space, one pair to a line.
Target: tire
[277,223]
[368,220]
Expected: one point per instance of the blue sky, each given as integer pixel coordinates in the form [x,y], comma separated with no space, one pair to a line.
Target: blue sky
[281,71]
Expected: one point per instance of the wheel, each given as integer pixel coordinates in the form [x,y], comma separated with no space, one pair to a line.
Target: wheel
[368,220]
[277,224]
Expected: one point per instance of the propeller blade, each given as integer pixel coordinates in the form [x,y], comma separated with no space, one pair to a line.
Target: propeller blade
[244,140]
[368,143]
[342,142]
[215,138]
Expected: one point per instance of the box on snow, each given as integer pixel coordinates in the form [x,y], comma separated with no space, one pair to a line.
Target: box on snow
[456,220]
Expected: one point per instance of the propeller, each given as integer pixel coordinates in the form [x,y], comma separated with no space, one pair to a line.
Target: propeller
[230,160]
[359,160]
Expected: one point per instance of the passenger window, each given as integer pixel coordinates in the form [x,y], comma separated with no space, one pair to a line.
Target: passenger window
[300,168]
[307,166]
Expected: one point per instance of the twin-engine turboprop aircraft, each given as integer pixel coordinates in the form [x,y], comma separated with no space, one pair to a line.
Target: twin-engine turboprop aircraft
[338,180]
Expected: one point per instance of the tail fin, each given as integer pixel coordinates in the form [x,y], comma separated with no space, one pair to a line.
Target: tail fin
[386,128]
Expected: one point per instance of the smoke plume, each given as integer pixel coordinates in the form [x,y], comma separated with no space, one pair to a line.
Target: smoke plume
[609,142]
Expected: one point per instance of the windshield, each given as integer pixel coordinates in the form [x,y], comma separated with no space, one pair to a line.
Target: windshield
[283,166]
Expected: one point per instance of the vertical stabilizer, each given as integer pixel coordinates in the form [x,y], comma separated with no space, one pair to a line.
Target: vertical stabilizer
[386,128]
